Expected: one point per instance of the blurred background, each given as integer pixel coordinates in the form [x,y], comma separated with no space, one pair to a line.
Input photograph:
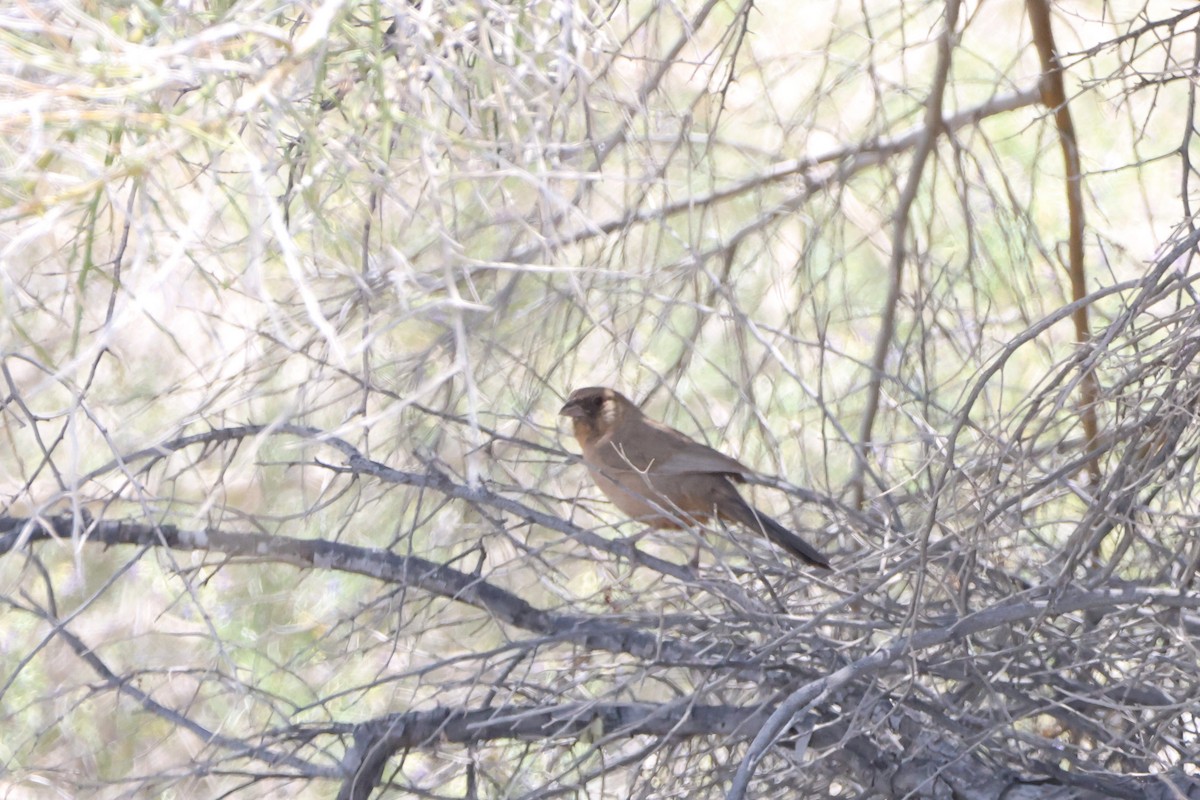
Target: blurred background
[323,274]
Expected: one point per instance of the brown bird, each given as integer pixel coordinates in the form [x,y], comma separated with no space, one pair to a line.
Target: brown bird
[659,476]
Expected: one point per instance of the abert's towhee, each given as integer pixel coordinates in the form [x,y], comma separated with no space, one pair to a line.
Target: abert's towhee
[659,476]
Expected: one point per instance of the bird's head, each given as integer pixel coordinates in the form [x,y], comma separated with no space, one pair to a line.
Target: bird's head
[596,410]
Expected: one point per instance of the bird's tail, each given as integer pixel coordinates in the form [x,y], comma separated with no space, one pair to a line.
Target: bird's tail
[784,537]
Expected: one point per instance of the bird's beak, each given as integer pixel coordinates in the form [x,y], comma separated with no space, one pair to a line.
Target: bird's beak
[571,409]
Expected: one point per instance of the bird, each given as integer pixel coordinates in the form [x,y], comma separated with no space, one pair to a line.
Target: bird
[661,477]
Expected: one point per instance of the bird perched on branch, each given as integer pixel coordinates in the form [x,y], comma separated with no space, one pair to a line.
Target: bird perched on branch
[659,476]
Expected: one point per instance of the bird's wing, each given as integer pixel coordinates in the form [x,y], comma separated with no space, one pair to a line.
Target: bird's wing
[661,450]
